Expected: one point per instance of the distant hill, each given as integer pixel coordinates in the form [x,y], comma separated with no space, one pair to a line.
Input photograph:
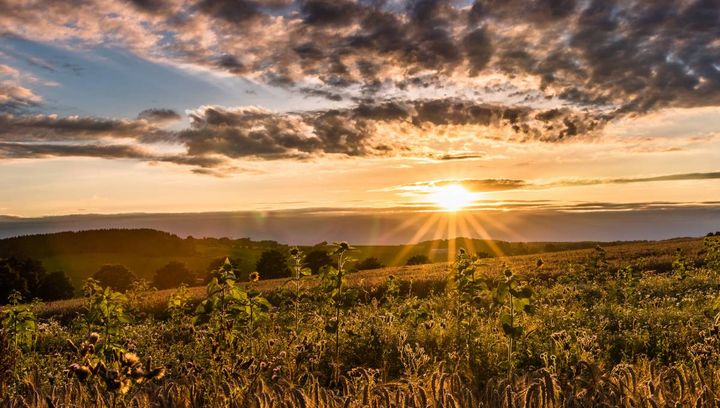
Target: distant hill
[138,241]
[80,254]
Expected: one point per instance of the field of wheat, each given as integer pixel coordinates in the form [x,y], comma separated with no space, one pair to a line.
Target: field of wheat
[627,325]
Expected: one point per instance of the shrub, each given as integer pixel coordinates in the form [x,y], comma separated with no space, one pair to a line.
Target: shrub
[273,264]
[172,276]
[116,277]
[316,259]
[418,260]
[56,286]
[369,263]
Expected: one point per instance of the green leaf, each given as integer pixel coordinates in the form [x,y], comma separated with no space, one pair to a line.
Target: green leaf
[524,293]
[501,292]
[331,326]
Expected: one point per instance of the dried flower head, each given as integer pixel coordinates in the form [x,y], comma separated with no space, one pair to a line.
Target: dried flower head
[254,277]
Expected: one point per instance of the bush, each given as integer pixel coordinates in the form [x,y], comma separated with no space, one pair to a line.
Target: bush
[272,264]
[316,259]
[116,277]
[418,260]
[369,263]
[173,275]
[56,286]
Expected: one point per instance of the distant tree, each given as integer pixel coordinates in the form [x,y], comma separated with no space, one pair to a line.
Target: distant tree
[215,264]
[117,277]
[369,263]
[272,264]
[173,275]
[316,259]
[483,254]
[28,277]
[56,286]
[418,260]
[20,274]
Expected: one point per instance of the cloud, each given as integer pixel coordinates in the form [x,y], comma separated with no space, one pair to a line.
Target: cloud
[159,115]
[490,185]
[670,177]
[109,151]
[26,128]
[627,57]
[216,135]
[16,98]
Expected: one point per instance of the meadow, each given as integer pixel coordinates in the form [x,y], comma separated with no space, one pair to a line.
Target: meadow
[632,325]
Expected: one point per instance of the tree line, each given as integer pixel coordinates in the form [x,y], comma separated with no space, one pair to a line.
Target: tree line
[29,278]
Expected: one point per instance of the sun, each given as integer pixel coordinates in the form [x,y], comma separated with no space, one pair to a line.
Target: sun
[451,197]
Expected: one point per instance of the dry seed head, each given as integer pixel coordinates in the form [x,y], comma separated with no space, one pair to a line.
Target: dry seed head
[93,338]
[82,372]
[130,359]
[157,373]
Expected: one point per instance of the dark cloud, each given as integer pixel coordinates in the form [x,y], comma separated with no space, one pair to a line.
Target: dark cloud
[462,156]
[330,12]
[232,11]
[626,57]
[150,6]
[27,128]
[45,150]
[159,115]
[256,132]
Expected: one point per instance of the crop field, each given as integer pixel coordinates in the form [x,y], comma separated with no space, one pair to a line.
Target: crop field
[631,325]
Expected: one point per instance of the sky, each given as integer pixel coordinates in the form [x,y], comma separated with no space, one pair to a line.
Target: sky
[573,109]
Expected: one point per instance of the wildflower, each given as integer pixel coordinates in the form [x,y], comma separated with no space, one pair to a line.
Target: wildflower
[294,252]
[130,359]
[254,277]
[82,372]
[93,338]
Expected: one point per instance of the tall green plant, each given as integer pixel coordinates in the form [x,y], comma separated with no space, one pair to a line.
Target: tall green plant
[106,312]
[515,300]
[299,271]
[470,295]
[19,322]
[332,285]
[228,306]
[712,253]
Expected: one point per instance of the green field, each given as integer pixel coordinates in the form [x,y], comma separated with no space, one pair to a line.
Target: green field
[631,325]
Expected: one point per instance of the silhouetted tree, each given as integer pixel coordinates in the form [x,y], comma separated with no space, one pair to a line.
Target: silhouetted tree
[241,274]
[173,275]
[316,259]
[272,264]
[56,286]
[117,277]
[29,278]
[369,263]
[418,260]
[21,274]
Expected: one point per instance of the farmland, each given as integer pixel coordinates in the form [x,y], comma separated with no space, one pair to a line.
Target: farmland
[620,325]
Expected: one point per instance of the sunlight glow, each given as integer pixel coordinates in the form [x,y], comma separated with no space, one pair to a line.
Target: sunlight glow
[452,197]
